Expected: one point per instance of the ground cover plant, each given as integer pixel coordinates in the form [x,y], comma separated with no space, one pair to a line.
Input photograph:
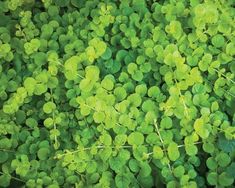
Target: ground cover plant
[117,93]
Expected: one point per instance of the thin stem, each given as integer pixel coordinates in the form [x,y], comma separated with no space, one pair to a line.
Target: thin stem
[183,145]
[181,96]
[182,99]
[89,148]
[228,92]
[81,175]
[222,130]
[90,107]
[163,145]
[14,178]
[179,146]
[53,117]
[6,150]
[79,75]
[224,76]
[222,89]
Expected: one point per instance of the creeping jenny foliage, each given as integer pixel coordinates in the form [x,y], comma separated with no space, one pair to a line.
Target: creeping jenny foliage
[108,93]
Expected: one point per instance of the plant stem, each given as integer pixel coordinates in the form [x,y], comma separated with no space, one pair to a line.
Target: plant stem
[14,178]
[163,145]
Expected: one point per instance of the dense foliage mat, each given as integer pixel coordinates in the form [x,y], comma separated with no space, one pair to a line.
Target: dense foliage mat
[117,93]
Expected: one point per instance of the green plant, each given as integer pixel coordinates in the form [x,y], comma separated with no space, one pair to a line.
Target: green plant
[132,93]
